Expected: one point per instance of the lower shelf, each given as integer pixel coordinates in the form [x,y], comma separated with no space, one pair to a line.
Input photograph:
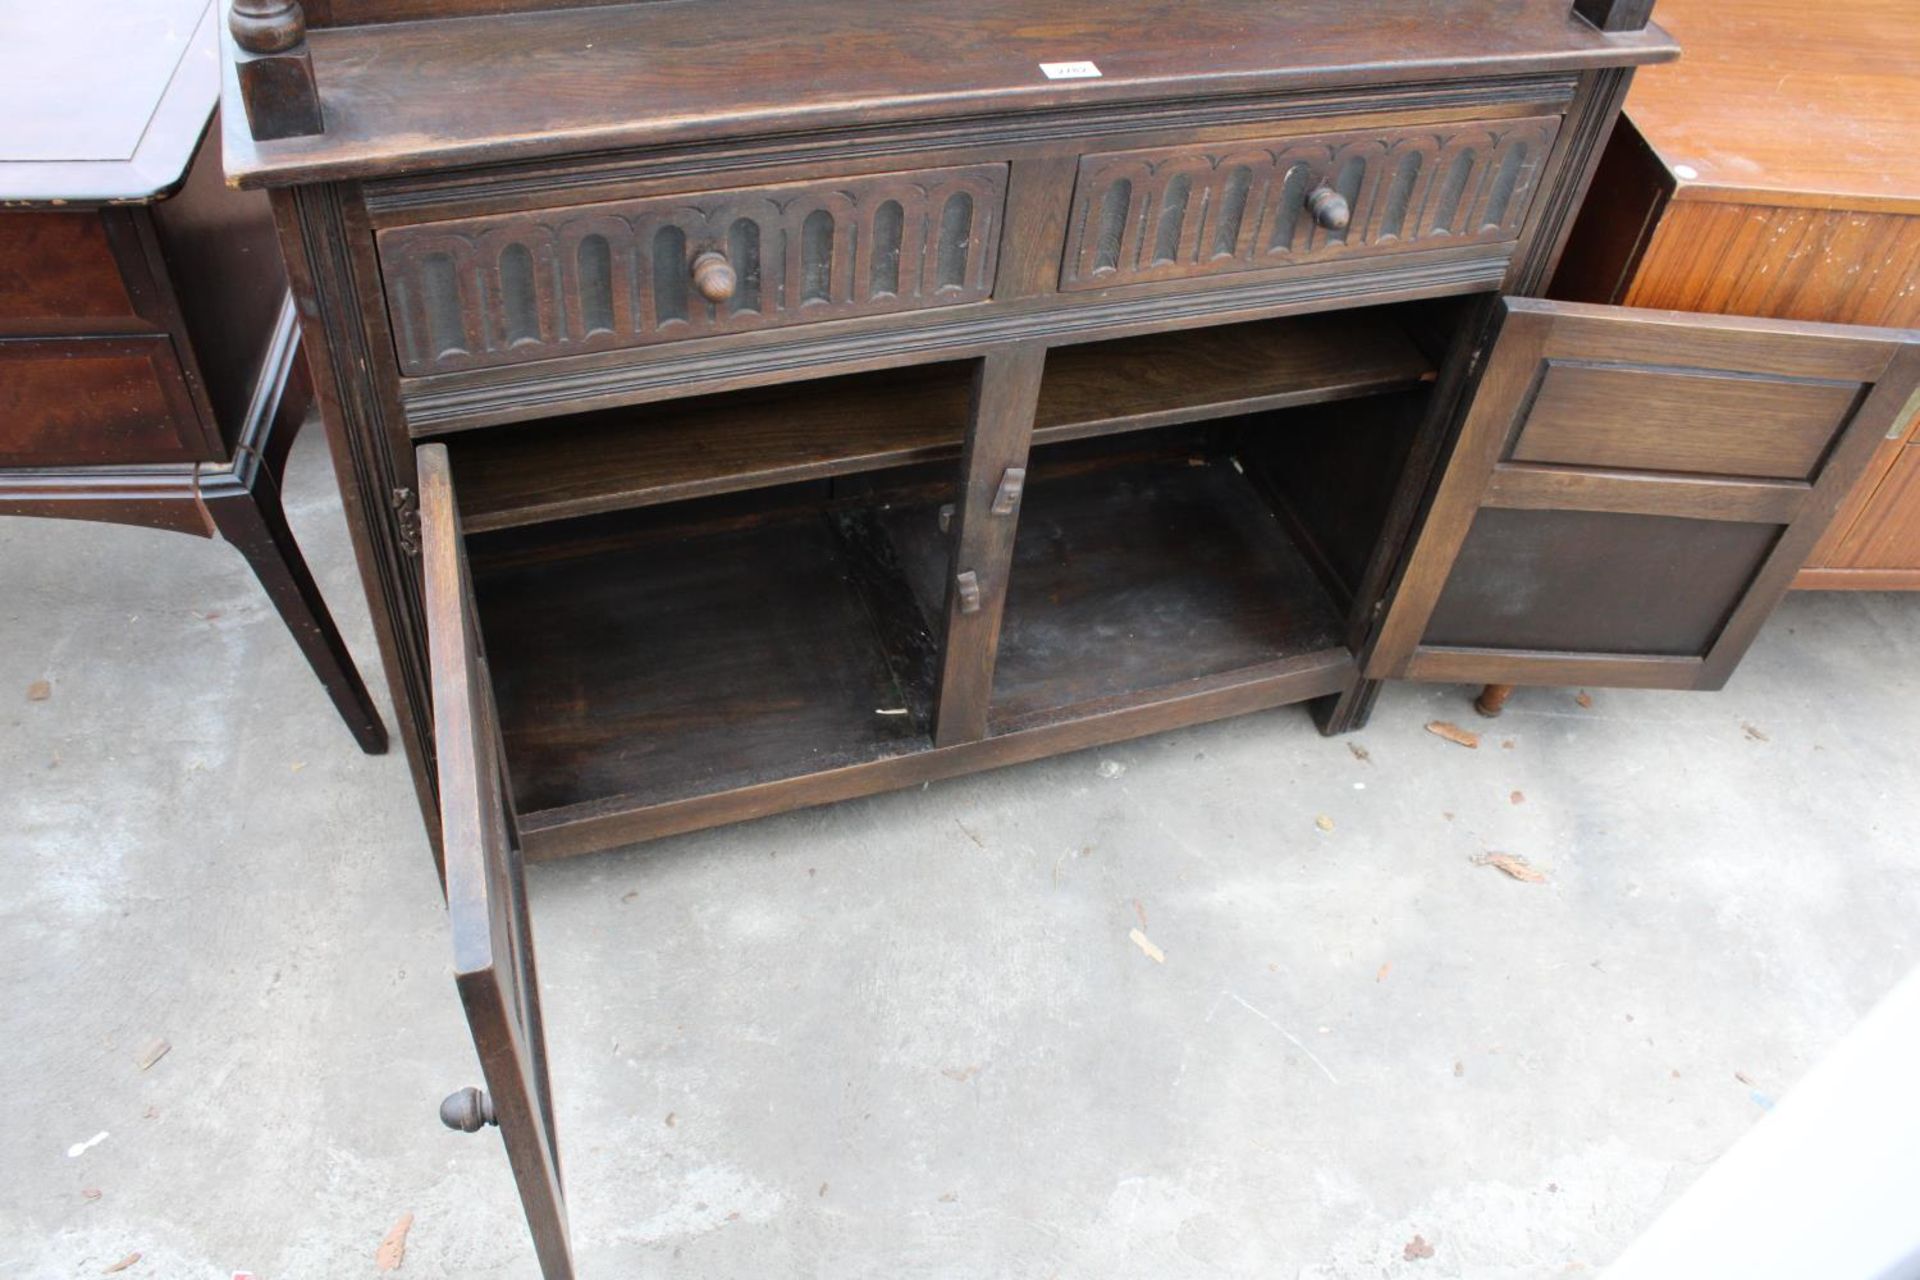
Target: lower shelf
[670,668]
[559,833]
[1134,580]
[1147,577]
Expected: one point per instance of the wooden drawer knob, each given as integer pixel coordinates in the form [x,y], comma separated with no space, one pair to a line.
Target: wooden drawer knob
[468,1110]
[713,276]
[1329,208]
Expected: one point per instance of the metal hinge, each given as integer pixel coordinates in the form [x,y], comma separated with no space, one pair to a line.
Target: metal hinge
[406,514]
[1473,361]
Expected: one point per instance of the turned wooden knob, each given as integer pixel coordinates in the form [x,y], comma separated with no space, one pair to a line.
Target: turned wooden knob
[1329,208]
[469,1110]
[713,276]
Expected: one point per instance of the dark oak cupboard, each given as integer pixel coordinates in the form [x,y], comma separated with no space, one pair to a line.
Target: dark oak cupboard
[747,406]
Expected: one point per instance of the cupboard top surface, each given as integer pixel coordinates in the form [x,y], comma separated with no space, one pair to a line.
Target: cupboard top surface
[105,104]
[411,96]
[1775,107]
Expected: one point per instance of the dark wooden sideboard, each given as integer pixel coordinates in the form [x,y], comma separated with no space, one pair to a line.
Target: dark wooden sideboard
[149,349]
[753,405]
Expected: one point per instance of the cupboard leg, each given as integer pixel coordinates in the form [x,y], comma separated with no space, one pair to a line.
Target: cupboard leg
[1346,712]
[256,524]
[1493,700]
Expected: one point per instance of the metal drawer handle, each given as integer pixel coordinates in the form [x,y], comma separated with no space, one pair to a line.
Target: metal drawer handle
[1329,208]
[713,276]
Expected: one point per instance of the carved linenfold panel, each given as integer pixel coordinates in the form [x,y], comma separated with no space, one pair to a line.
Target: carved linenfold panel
[1177,212]
[497,290]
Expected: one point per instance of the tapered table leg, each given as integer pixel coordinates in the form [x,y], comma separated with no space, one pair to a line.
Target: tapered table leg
[256,524]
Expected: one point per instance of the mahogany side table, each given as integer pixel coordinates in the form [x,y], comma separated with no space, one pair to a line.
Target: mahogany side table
[150,369]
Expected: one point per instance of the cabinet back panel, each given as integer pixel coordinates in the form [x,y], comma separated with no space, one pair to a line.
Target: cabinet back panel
[1334,471]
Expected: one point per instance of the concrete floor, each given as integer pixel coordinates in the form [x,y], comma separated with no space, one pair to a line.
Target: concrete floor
[910,1036]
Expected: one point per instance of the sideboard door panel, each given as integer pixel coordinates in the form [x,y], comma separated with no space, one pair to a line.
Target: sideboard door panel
[485,882]
[1631,493]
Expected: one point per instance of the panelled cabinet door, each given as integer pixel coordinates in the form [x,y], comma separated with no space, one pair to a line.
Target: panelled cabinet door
[486,887]
[1632,492]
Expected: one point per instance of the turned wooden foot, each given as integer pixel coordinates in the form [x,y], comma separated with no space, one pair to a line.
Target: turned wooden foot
[1493,699]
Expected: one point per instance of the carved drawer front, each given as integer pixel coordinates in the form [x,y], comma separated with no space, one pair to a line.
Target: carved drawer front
[1210,209]
[531,286]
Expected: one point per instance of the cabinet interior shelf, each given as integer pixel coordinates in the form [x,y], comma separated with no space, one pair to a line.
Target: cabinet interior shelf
[726,443]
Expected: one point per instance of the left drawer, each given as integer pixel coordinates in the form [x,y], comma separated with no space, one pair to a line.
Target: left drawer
[475,292]
[86,401]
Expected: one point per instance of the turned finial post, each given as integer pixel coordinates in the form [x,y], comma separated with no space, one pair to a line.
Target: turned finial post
[267,26]
[276,71]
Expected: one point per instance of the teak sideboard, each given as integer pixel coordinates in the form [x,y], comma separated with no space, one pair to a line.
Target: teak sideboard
[1776,172]
[750,405]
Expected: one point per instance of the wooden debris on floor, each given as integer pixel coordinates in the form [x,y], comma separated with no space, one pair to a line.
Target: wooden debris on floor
[1512,864]
[393,1246]
[1454,733]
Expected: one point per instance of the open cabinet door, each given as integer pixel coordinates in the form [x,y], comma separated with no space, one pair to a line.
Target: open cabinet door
[1632,492]
[486,887]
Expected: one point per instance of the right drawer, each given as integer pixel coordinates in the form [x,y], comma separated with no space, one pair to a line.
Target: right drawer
[1206,209]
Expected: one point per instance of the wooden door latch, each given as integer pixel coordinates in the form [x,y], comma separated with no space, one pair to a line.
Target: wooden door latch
[1007,497]
[967,585]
